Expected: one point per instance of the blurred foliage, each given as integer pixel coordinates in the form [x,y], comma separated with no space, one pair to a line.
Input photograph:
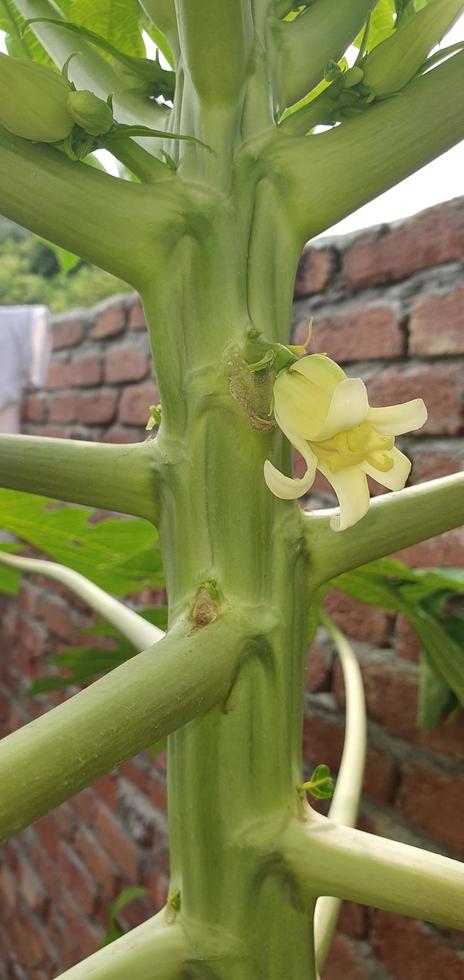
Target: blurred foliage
[31,272]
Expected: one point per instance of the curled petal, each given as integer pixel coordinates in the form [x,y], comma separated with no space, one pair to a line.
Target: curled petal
[320,370]
[299,406]
[350,485]
[397,419]
[348,408]
[395,477]
[284,486]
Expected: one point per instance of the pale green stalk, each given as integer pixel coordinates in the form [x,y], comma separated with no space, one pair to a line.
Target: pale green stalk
[104,725]
[394,521]
[344,805]
[119,478]
[330,860]
[135,628]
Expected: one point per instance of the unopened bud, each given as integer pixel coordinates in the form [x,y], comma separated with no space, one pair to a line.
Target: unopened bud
[92,114]
[33,101]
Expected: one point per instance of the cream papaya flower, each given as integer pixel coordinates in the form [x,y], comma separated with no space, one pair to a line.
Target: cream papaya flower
[327,418]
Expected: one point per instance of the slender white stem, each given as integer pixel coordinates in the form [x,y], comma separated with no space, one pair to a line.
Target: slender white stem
[136,629]
[348,788]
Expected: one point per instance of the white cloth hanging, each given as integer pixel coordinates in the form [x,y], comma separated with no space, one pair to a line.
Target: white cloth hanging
[24,356]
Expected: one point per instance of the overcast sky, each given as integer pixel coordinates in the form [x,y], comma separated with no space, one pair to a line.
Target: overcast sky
[439,181]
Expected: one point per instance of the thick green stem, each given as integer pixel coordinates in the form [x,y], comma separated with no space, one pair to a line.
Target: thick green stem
[389,141]
[394,521]
[58,754]
[119,478]
[331,860]
[135,628]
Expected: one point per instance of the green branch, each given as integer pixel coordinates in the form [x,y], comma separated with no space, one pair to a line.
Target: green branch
[385,144]
[322,33]
[135,628]
[119,478]
[153,949]
[150,696]
[348,787]
[101,218]
[329,860]
[393,521]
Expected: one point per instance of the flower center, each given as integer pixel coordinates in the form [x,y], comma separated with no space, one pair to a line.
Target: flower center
[355,446]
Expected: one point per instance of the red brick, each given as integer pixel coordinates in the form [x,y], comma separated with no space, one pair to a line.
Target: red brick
[434,803]
[411,952]
[77,879]
[31,944]
[31,639]
[86,372]
[315,270]
[436,324]
[116,842]
[135,402]
[66,333]
[367,624]
[353,920]
[85,935]
[57,619]
[430,464]
[111,321]
[31,889]
[8,888]
[344,962]
[46,866]
[99,408]
[158,887]
[137,316]
[157,792]
[367,332]
[446,549]
[119,436]
[391,697]
[59,375]
[125,364]
[406,640]
[63,408]
[441,386]
[319,667]
[34,409]
[97,862]
[388,255]
[29,598]
[447,737]
[107,788]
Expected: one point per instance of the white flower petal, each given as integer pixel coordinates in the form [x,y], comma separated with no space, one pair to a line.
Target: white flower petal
[284,486]
[320,370]
[397,419]
[350,485]
[299,406]
[395,478]
[349,407]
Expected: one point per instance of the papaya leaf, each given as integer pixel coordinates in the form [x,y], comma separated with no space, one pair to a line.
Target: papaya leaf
[120,556]
[118,21]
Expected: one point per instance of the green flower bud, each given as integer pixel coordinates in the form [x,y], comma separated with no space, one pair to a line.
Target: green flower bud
[33,101]
[394,62]
[353,76]
[92,114]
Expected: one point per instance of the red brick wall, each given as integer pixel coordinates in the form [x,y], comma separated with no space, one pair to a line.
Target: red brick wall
[389,303]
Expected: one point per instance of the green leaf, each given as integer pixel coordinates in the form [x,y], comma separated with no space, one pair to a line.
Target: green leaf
[10,579]
[435,695]
[125,897]
[321,785]
[21,42]
[382,25]
[118,21]
[121,556]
